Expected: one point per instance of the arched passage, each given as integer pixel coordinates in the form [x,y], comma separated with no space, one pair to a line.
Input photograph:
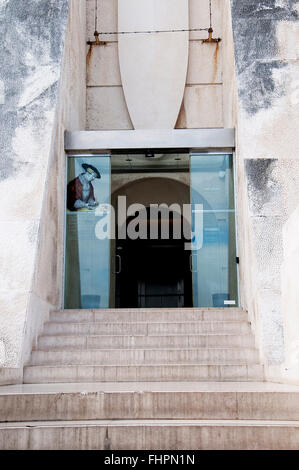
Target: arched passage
[153,270]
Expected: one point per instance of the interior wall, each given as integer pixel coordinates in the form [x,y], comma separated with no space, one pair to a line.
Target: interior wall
[152,189]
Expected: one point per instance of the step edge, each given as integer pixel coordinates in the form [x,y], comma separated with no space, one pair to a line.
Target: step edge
[201,349]
[147,322]
[175,364]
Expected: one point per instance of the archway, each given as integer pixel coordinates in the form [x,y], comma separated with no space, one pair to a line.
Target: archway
[153,270]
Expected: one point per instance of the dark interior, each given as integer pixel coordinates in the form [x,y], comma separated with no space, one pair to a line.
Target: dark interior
[153,273]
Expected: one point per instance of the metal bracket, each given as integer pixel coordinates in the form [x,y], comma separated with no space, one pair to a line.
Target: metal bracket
[97,42]
[210,39]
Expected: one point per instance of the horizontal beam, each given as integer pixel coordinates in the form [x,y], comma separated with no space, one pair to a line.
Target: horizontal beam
[149,139]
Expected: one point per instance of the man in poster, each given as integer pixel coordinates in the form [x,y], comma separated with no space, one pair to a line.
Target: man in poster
[80,191]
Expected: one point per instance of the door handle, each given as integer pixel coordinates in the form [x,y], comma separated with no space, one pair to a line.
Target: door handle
[119,264]
[191,264]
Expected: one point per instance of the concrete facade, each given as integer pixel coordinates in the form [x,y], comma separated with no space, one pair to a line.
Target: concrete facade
[44,92]
[290,299]
[49,86]
[265,38]
[203,104]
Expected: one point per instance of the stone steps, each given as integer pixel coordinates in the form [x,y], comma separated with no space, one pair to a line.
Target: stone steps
[149,315]
[149,400]
[145,416]
[168,345]
[146,328]
[146,356]
[149,373]
[61,342]
[151,434]
[162,379]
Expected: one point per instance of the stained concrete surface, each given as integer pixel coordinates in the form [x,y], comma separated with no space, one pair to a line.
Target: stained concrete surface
[32,54]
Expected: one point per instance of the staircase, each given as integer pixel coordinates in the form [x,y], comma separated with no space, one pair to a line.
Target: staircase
[145,346]
[148,379]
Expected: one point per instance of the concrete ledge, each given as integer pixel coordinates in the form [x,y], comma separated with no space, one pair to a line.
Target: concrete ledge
[147,435]
[149,400]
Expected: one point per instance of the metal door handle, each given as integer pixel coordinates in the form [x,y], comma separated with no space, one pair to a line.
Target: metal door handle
[119,264]
[191,264]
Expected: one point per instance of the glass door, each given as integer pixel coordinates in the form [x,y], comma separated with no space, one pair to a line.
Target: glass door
[213,258]
[87,242]
[105,267]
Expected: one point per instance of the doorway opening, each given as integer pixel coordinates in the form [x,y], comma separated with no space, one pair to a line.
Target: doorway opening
[154,273]
[153,269]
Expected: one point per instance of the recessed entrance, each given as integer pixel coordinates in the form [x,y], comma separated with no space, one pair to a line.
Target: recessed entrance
[154,273]
[153,270]
[150,229]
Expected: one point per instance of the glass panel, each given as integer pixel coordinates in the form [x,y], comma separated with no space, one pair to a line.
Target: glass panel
[213,225]
[152,269]
[87,260]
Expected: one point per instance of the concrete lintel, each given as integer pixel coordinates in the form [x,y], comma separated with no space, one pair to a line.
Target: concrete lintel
[140,139]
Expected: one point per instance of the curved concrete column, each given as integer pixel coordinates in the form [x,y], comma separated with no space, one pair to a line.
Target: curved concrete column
[153,66]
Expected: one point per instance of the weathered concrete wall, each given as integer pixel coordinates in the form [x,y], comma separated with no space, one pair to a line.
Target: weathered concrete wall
[71,115]
[228,69]
[290,297]
[266,49]
[37,106]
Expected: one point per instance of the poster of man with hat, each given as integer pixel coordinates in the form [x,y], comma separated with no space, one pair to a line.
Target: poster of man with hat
[80,191]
